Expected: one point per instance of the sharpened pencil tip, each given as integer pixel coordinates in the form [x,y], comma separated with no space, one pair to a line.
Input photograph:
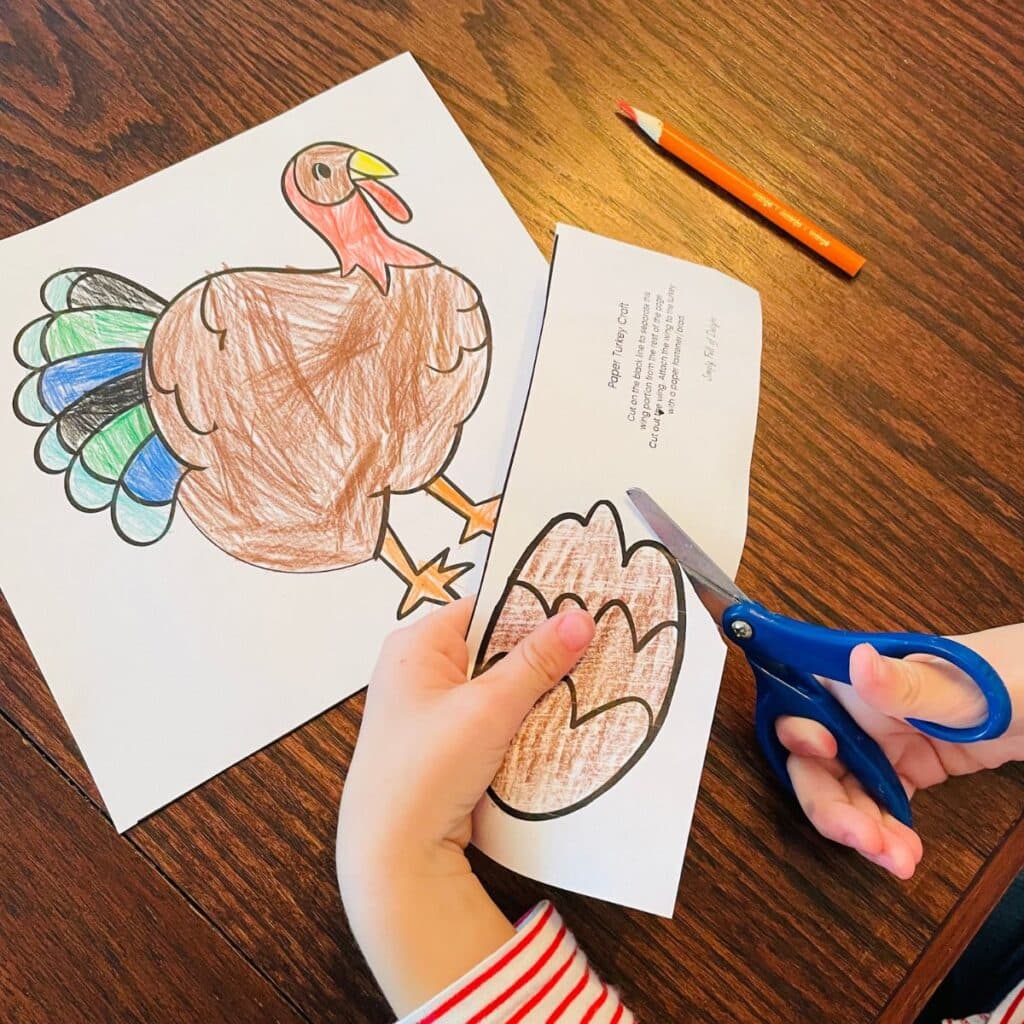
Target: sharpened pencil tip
[626,109]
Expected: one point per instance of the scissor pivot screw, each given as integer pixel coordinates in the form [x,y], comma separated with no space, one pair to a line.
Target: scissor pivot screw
[741,630]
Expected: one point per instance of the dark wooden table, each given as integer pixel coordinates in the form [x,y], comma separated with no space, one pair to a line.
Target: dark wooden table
[886,489]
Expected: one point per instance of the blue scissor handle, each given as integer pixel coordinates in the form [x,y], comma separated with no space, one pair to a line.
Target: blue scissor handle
[781,691]
[818,650]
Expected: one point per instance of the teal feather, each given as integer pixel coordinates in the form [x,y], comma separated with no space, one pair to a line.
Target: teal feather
[51,454]
[27,403]
[86,491]
[140,523]
[28,346]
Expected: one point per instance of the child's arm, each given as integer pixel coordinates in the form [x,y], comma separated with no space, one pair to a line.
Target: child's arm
[431,742]
[429,745]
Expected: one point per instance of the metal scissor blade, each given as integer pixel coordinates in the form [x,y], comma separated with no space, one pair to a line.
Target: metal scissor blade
[715,590]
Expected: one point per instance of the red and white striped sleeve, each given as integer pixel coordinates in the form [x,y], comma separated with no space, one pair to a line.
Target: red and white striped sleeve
[540,976]
[1009,1011]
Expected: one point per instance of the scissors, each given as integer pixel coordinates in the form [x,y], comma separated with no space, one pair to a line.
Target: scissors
[786,654]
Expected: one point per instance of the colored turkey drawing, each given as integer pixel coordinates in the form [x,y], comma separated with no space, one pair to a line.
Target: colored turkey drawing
[281,408]
[584,735]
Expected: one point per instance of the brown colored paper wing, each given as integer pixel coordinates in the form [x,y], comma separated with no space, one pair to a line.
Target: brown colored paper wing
[585,734]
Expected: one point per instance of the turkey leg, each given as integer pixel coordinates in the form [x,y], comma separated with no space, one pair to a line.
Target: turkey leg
[432,582]
[480,517]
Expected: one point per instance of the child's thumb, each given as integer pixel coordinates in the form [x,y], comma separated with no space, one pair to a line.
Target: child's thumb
[541,659]
[925,688]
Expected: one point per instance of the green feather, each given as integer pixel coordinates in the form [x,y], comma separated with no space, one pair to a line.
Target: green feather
[107,452]
[89,330]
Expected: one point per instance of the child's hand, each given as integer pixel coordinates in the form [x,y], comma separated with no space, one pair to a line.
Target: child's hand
[429,745]
[884,691]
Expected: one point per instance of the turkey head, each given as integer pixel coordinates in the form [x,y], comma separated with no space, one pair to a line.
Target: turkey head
[329,186]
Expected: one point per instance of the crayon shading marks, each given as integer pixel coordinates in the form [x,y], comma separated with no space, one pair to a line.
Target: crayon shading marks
[281,408]
[583,736]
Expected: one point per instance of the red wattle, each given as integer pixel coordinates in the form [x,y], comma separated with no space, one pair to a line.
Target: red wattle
[390,202]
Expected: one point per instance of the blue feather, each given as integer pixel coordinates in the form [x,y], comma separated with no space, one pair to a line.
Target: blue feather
[65,382]
[154,473]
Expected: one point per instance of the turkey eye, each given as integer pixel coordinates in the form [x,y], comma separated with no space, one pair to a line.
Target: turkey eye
[321,171]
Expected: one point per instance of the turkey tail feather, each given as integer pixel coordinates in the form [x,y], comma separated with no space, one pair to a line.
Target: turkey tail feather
[86,416]
[73,332]
[89,288]
[87,389]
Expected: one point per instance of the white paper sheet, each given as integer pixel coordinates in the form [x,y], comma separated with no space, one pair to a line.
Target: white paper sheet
[172,661]
[647,375]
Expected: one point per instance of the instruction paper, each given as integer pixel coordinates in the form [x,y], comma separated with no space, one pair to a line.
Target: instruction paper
[647,375]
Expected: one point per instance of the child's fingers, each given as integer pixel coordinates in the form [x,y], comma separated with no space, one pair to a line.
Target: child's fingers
[455,618]
[450,619]
[538,662]
[927,688]
[860,800]
[902,851]
[444,630]
[806,737]
[908,839]
[826,803]
[837,806]
[457,614]
[440,634]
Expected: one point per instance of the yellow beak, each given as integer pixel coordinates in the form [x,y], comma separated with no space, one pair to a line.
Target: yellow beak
[366,165]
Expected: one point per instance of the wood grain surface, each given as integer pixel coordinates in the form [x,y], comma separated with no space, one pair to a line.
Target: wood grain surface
[90,930]
[886,484]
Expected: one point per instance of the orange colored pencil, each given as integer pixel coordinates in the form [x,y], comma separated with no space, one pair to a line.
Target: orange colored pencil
[746,191]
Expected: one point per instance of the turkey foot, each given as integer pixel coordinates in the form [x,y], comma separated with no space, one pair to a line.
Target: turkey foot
[431,582]
[480,517]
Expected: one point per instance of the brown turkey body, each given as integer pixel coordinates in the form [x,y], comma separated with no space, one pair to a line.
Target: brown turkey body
[302,399]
